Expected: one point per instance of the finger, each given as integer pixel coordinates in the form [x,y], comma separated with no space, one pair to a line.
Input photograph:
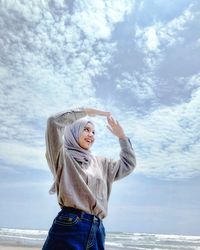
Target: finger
[117,122]
[113,121]
[109,128]
[109,120]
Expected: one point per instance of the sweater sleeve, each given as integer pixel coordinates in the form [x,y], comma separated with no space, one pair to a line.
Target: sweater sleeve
[125,165]
[54,134]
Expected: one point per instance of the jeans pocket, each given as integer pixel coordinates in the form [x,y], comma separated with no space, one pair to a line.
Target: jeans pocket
[66,219]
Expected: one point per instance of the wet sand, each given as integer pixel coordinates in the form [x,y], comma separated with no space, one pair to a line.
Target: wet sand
[3,247]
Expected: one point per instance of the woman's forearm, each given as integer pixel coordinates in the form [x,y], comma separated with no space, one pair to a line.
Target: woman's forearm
[94,112]
[54,133]
[66,117]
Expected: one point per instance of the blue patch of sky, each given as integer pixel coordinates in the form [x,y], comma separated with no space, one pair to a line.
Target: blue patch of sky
[158,202]
[192,33]
[181,61]
[23,194]
[155,191]
[171,92]
[14,180]
[18,174]
[159,10]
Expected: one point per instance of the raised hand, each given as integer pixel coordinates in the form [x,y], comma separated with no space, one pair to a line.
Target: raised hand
[115,128]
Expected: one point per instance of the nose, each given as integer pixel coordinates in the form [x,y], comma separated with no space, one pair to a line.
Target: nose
[91,134]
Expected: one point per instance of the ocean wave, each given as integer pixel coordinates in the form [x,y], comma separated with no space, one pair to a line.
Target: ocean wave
[125,241]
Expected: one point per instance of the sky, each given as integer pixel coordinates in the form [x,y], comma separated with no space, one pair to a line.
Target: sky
[137,59]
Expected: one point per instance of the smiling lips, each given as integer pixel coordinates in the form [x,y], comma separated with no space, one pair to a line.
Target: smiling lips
[89,140]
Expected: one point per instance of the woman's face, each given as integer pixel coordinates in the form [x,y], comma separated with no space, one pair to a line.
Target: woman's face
[86,138]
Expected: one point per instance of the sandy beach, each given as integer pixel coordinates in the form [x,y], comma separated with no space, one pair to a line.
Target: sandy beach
[2,247]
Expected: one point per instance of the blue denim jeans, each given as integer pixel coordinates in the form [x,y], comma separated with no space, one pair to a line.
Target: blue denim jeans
[74,229]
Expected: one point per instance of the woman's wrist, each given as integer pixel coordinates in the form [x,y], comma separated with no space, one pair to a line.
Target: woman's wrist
[122,137]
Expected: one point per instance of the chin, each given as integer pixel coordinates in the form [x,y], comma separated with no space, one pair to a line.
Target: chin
[85,147]
[88,147]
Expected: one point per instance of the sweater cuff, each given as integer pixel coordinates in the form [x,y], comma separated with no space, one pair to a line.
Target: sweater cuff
[125,143]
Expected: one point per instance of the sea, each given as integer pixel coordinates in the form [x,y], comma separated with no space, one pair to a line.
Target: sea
[114,241]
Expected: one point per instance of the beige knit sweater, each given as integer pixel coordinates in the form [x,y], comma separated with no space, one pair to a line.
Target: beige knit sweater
[78,186]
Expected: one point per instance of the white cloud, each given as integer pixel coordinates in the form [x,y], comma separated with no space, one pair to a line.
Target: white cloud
[167,141]
[22,155]
[194,81]
[116,10]
[156,38]
[98,28]
[152,41]
[49,65]
[140,84]
[50,55]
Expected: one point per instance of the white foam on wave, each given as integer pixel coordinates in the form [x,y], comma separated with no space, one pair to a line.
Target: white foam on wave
[23,237]
[113,244]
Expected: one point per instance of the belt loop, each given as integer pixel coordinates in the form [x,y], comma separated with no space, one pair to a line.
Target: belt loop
[82,215]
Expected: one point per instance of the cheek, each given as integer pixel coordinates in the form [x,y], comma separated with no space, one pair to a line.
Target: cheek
[81,135]
[81,140]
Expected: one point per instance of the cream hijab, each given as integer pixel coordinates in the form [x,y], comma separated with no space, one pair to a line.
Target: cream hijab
[71,136]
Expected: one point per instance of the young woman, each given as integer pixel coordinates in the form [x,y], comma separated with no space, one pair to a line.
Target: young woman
[82,181]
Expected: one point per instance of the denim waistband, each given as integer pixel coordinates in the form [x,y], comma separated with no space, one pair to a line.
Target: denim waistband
[81,214]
